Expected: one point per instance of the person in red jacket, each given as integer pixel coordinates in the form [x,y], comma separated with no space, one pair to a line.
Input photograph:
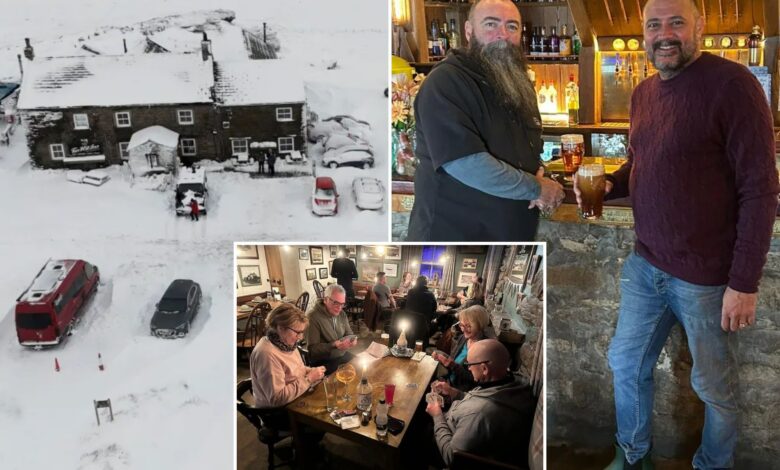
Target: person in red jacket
[194,209]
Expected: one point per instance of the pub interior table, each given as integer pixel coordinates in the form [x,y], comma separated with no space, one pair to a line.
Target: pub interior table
[241,315]
[309,409]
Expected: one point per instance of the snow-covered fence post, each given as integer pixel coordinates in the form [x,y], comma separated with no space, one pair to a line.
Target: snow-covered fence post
[103,404]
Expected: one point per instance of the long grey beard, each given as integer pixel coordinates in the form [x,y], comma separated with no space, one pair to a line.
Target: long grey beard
[505,67]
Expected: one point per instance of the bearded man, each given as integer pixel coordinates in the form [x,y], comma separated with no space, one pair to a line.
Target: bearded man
[479,139]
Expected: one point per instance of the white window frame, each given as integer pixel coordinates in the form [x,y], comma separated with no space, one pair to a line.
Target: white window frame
[124,154]
[194,146]
[245,144]
[119,124]
[287,141]
[57,148]
[84,121]
[183,122]
[283,112]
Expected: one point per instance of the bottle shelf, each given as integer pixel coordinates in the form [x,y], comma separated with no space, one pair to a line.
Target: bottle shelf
[553,60]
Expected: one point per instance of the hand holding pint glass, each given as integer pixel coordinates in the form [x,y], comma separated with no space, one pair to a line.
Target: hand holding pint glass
[590,186]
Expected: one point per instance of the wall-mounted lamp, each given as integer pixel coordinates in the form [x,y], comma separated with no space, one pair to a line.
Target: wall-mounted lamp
[401,13]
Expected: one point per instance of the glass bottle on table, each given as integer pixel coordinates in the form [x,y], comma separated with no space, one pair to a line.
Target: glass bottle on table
[364,394]
[381,418]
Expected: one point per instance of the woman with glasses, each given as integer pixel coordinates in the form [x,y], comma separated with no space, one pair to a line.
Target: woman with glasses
[474,325]
[279,375]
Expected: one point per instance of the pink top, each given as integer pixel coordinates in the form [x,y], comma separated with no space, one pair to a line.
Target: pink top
[278,377]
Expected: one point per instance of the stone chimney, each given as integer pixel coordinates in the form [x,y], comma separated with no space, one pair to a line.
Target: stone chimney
[205,47]
[29,53]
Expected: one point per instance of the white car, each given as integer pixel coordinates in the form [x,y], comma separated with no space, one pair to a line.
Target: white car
[341,140]
[356,127]
[361,156]
[92,177]
[317,131]
[368,193]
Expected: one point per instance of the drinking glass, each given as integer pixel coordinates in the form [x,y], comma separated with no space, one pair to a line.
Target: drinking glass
[345,374]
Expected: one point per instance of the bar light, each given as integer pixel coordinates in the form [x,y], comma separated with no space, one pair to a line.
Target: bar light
[401,13]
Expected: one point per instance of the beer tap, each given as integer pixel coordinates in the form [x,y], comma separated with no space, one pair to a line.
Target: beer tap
[617,68]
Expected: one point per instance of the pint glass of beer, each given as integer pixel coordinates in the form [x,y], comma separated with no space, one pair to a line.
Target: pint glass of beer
[592,182]
[572,150]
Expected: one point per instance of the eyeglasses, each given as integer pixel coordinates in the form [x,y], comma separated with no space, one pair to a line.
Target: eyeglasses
[469,364]
[299,333]
[336,302]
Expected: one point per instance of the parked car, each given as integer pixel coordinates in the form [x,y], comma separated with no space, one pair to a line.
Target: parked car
[335,141]
[356,127]
[92,177]
[325,197]
[369,193]
[361,156]
[191,184]
[176,309]
[48,308]
[321,130]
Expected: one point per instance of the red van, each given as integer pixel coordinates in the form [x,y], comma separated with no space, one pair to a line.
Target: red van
[46,311]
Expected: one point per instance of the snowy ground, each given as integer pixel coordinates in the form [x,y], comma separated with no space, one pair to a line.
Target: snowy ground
[172,399]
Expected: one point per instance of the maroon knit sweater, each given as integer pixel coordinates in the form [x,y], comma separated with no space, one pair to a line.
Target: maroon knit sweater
[701,174]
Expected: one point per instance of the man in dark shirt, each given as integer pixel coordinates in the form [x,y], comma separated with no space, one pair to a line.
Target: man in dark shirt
[344,271]
[421,300]
[703,186]
[479,139]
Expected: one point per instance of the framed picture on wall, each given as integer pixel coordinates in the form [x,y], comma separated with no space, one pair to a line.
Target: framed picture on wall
[334,251]
[316,254]
[311,274]
[323,273]
[390,269]
[393,252]
[464,278]
[368,271]
[249,275]
[351,251]
[469,263]
[246,252]
[373,252]
[303,253]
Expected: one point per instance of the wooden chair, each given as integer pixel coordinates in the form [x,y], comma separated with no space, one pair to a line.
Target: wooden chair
[303,301]
[253,329]
[354,309]
[261,419]
[318,289]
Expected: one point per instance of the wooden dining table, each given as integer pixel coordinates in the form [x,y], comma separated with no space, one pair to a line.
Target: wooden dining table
[240,315]
[309,409]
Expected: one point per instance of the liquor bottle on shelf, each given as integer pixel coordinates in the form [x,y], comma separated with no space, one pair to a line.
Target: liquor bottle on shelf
[545,40]
[576,44]
[754,46]
[555,45]
[573,101]
[525,39]
[444,38]
[436,47]
[552,98]
[541,97]
[564,43]
[454,36]
[536,43]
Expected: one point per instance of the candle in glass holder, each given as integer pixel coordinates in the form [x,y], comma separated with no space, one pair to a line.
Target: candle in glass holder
[402,339]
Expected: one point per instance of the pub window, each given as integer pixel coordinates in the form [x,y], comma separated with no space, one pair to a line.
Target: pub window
[432,265]
[226,124]
[239,145]
[186,117]
[57,151]
[122,119]
[286,144]
[284,114]
[80,121]
[123,150]
[188,147]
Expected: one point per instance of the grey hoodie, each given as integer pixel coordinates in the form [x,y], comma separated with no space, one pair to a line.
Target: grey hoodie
[323,330]
[493,422]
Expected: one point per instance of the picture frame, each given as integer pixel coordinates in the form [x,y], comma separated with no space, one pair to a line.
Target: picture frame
[334,251]
[246,252]
[372,252]
[303,253]
[464,278]
[393,252]
[390,269]
[469,263]
[351,251]
[368,271]
[249,275]
[311,274]
[316,254]
[324,273]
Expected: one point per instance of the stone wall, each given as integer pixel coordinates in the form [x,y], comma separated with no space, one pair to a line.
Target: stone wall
[583,263]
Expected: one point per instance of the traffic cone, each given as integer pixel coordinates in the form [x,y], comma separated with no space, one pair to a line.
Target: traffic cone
[56,365]
[100,362]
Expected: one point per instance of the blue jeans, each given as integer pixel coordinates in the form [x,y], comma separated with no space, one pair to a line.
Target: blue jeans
[651,303]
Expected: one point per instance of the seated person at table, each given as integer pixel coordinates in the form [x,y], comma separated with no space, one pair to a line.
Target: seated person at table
[494,419]
[328,326]
[416,327]
[474,325]
[421,300]
[278,373]
[474,295]
[406,284]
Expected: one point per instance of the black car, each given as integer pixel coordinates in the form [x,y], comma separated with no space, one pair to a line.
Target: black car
[176,310]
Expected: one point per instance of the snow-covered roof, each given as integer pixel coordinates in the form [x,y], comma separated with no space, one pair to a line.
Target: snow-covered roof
[192,176]
[121,80]
[159,134]
[272,81]
[47,281]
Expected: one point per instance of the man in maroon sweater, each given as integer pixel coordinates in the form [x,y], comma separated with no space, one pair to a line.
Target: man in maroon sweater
[703,185]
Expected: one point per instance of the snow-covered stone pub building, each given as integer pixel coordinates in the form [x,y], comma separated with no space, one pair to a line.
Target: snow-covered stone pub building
[84,111]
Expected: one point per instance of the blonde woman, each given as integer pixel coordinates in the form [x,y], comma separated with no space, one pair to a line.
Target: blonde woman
[278,373]
[474,326]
